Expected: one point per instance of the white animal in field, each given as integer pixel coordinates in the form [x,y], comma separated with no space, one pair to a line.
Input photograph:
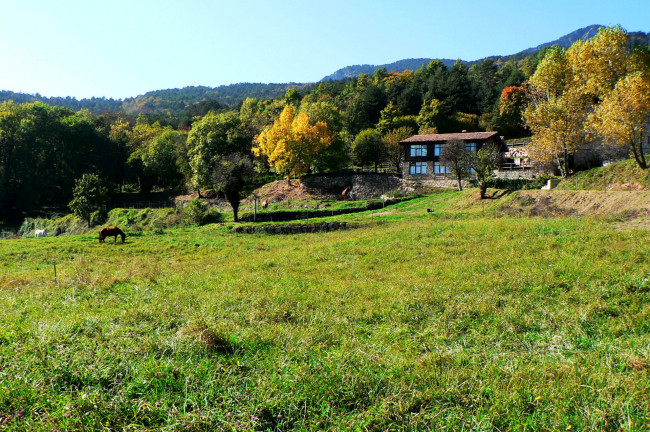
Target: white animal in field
[40,233]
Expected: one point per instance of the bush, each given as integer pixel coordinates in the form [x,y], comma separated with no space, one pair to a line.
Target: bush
[196,211]
[98,217]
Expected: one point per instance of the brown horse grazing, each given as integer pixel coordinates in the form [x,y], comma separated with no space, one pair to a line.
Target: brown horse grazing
[111,232]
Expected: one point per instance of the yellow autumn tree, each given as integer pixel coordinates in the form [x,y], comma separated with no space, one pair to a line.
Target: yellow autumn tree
[292,143]
[557,124]
[599,63]
[577,91]
[556,112]
[623,117]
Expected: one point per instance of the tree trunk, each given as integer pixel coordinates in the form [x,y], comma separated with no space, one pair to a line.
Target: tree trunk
[460,183]
[483,190]
[639,157]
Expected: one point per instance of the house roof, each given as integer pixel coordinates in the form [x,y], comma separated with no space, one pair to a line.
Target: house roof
[464,136]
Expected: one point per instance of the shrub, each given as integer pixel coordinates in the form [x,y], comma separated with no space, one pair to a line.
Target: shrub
[197,211]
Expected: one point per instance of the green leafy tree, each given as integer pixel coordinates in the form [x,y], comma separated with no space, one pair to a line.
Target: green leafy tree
[433,115]
[89,195]
[394,151]
[335,156]
[365,109]
[231,174]
[455,156]
[459,89]
[369,148]
[212,137]
[485,85]
[292,97]
[484,162]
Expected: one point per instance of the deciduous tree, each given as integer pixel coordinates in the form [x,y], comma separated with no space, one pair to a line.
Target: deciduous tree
[484,162]
[556,112]
[230,175]
[212,137]
[89,195]
[623,116]
[394,151]
[454,155]
[292,143]
[369,148]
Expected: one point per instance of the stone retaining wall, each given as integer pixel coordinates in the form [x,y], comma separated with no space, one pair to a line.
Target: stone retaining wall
[293,229]
[362,186]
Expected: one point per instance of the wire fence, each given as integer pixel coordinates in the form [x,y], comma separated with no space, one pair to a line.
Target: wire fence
[6,273]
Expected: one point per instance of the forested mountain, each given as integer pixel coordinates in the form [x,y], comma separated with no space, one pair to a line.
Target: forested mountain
[95,104]
[414,64]
[163,101]
[398,66]
[176,101]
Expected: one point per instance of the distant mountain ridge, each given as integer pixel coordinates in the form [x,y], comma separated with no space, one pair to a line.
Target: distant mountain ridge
[398,66]
[567,40]
[160,101]
[414,64]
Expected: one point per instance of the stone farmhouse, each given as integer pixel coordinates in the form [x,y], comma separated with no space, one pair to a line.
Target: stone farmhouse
[422,152]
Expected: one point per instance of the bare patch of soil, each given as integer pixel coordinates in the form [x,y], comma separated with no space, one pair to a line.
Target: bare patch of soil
[281,190]
[273,192]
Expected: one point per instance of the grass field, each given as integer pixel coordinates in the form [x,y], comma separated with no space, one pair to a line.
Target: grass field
[461,318]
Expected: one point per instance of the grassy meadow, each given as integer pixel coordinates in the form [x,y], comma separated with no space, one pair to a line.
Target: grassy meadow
[459,318]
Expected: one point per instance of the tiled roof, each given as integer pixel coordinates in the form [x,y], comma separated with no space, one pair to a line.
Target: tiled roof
[465,136]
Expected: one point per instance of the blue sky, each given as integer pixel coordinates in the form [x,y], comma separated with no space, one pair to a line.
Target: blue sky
[119,49]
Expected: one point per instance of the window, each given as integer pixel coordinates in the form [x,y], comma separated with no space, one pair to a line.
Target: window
[440,169]
[418,150]
[470,146]
[418,168]
[437,148]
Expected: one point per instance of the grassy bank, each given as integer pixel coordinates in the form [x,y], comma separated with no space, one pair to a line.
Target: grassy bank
[461,318]
[624,175]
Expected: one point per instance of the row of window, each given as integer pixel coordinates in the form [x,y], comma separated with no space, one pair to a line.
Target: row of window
[421,149]
[438,168]
[421,168]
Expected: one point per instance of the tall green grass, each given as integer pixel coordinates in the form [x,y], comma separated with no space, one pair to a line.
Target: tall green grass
[624,175]
[458,319]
